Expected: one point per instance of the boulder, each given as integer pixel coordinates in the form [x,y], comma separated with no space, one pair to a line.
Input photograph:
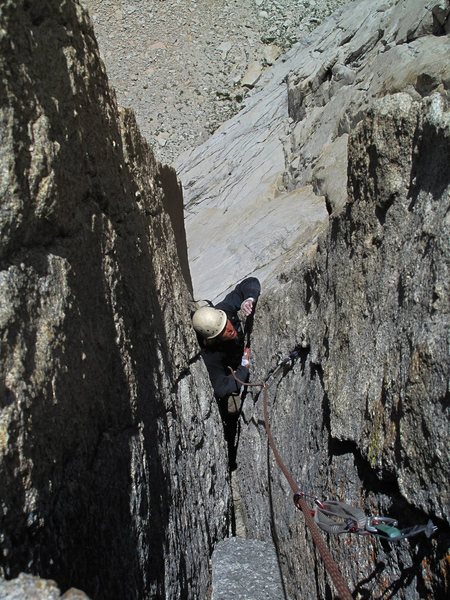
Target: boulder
[245,570]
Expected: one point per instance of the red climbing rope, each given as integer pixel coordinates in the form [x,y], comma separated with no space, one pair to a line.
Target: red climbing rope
[329,562]
[292,483]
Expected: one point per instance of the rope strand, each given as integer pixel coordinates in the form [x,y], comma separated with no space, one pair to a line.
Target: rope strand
[329,562]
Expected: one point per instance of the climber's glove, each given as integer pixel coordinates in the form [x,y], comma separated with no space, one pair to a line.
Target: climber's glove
[247,306]
[245,362]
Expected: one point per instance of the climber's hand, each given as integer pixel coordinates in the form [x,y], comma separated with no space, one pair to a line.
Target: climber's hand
[247,306]
[245,362]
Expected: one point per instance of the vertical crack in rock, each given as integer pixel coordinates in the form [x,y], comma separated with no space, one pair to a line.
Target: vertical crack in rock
[112,459]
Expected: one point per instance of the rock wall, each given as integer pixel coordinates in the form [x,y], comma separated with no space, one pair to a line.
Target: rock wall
[262,187]
[332,186]
[362,415]
[113,470]
[191,63]
[112,461]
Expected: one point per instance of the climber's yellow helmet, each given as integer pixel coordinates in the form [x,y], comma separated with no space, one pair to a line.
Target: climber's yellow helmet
[209,322]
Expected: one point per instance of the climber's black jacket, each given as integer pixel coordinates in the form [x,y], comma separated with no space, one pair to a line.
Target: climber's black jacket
[220,355]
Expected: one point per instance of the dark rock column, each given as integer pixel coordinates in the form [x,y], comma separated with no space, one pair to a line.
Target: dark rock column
[113,469]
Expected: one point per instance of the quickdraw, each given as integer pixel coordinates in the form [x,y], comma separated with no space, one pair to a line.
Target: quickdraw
[336,517]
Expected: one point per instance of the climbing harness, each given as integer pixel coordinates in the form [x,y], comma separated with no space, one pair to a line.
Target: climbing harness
[331,516]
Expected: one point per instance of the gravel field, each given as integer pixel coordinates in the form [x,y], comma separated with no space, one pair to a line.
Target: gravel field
[186,66]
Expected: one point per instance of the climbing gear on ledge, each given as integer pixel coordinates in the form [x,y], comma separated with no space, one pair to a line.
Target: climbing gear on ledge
[332,516]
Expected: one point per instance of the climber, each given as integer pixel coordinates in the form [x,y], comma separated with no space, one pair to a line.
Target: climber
[222,339]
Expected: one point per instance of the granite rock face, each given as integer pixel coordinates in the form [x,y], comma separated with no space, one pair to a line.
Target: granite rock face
[264,184]
[113,470]
[186,69]
[332,186]
[245,570]
[362,415]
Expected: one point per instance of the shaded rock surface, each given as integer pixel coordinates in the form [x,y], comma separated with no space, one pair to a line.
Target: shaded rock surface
[113,469]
